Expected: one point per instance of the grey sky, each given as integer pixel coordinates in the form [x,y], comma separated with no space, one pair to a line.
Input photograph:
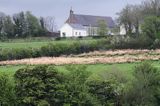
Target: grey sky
[60,8]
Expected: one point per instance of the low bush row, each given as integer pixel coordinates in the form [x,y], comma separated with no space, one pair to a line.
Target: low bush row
[58,49]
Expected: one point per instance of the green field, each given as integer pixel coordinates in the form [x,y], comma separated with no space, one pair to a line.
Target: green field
[96,69]
[38,43]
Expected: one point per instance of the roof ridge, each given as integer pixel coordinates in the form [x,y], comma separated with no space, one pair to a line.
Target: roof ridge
[93,15]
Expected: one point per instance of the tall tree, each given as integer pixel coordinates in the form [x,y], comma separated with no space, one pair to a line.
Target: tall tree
[8,27]
[2,17]
[136,17]
[20,24]
[33,25]
[125,18]
[151,27]
[102,28]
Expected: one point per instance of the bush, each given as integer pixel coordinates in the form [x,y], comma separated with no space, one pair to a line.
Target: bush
[128,42]
[40,84]
[105,91]
[58,38]
[145,88]
[7,91]
[77,90]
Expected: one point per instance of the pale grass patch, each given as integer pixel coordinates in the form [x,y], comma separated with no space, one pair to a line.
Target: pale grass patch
[116,56]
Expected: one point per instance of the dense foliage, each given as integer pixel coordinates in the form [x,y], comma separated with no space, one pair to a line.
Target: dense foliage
[21,25]
[7,91]
[38,85]
[46,86]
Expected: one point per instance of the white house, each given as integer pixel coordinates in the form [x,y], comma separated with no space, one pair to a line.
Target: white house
[84,25]
[72,30]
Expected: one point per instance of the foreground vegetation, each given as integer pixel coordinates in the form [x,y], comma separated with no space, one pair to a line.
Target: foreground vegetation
[70,85]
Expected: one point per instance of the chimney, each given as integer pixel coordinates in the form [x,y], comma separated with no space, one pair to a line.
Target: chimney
[71,15]
[71,18]
[71,11]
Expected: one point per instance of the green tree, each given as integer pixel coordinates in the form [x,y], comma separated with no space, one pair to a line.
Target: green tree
[2,18]
[151,27]
[102,28]
[33,25]
[20,25]
[8,27]
[43,27]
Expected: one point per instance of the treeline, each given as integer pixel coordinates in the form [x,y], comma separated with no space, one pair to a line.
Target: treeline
[24,24]
[142,19]
[46,86]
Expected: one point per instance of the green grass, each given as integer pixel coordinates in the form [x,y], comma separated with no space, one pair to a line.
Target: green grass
[37,44]
[126,68]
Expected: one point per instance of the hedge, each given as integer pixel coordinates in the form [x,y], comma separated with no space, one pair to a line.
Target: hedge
[49,50]
[58,49]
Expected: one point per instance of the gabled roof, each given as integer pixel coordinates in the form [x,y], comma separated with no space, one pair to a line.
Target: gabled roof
[77,26]
[90,20]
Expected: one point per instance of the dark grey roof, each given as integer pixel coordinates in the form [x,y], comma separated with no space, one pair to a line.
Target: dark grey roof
[77,26]
[89,20]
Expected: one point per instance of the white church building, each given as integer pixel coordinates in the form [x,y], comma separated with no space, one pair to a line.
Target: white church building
[84,25]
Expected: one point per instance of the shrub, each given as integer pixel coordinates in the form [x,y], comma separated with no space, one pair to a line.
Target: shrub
[7,91]
[58,38]
[40,84]
[145,87]
[128,42]
[105,91]
[76,88]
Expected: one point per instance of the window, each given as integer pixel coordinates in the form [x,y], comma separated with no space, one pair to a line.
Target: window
[80,33]
[76,33]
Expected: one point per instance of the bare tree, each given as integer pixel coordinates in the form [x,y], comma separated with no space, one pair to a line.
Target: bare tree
[125,18]
[137,17]
[49,24]
[131,17]
[151,7]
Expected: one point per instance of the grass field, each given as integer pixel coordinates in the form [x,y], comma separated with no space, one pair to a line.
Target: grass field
[96,69]
[38,43]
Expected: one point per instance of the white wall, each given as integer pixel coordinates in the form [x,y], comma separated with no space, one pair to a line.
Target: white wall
[122,30]
[67,29]
[79,32]
[71,32]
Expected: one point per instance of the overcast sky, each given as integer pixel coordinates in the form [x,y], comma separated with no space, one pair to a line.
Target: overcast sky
[60,8]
